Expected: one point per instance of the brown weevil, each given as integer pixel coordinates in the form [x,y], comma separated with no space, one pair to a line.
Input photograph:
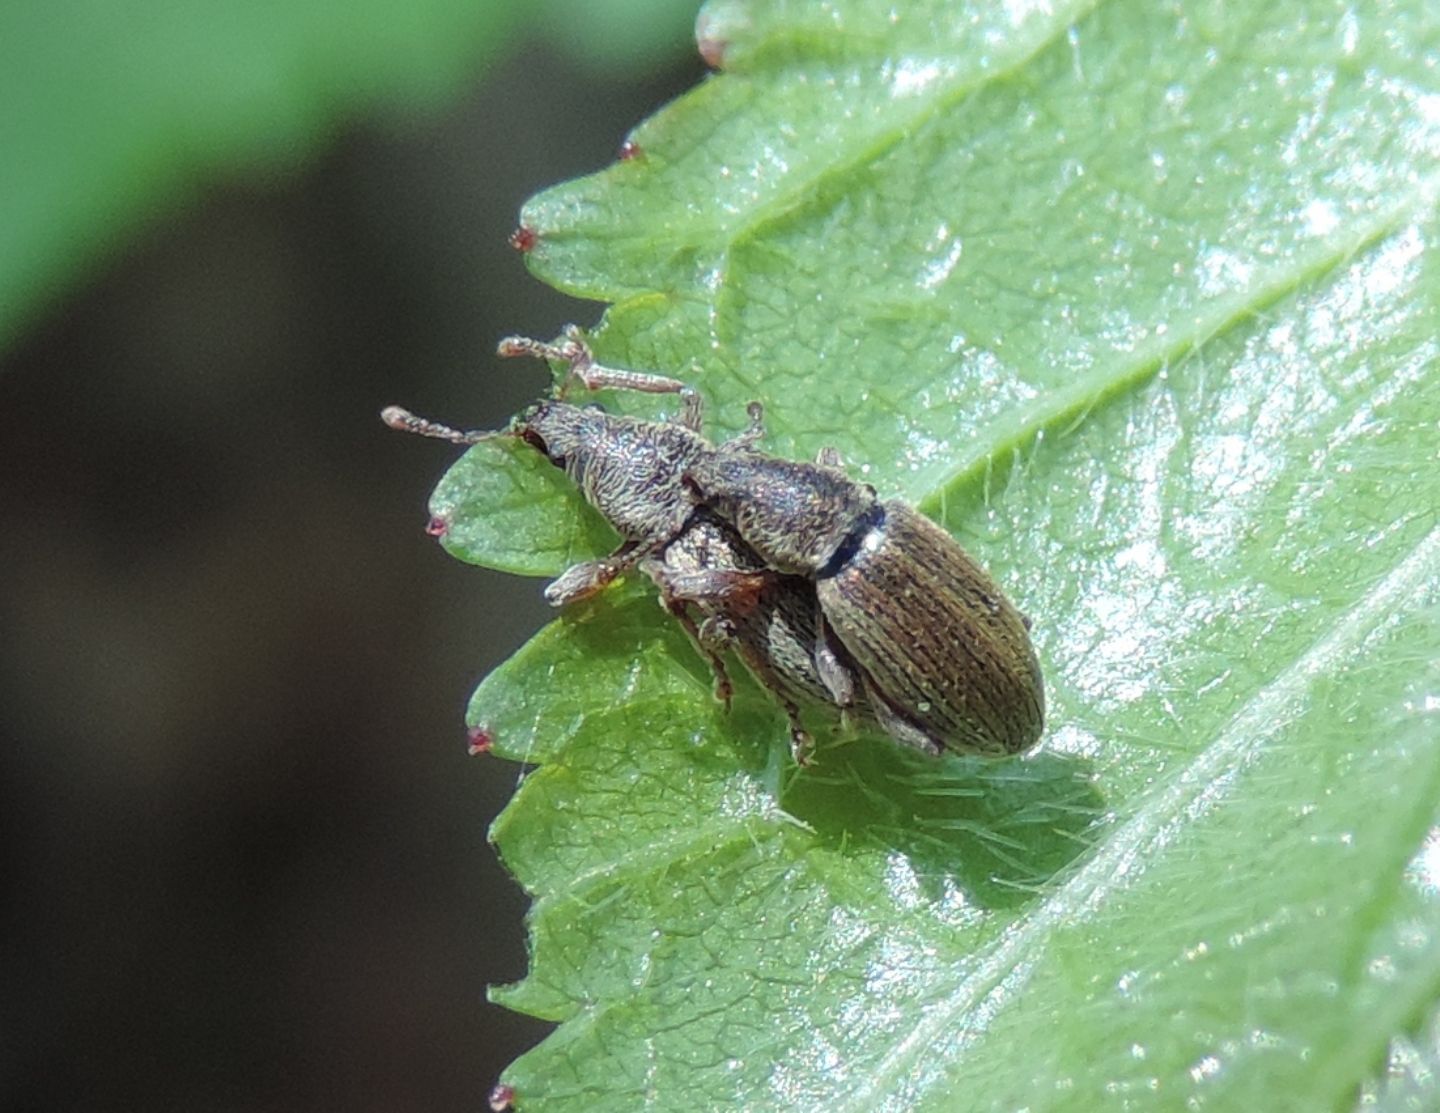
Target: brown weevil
[632,471]
[943,658]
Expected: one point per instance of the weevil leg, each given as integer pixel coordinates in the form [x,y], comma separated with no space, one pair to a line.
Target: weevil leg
[581,581]
[576,354]
[754,432]
[835,674]
[717,633]
[901,730]
[710,638]
[829,457]
[802,746]
[736,590]
[710,642]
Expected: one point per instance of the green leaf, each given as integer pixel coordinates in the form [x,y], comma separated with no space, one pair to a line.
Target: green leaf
[1143,302]
[503,505]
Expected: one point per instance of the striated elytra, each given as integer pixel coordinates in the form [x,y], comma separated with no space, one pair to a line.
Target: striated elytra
[937,639]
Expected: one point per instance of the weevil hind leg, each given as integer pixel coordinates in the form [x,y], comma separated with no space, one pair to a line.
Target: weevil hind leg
[899,729]
[837,676]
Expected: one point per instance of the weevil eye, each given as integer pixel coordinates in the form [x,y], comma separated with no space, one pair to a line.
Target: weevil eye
[534,440]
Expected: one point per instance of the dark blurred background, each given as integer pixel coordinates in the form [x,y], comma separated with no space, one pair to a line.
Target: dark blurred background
[244,854]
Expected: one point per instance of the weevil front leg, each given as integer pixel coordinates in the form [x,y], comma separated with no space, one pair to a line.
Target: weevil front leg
[737,590]
[397,417]
[589,577]
[576,354]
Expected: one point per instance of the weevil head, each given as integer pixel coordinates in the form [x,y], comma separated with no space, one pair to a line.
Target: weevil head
[628,469]
[796,516]
[559,431]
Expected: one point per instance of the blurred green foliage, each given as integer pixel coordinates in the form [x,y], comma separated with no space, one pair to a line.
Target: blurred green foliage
[113,112]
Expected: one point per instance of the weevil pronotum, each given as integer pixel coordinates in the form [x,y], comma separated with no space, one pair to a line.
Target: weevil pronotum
[828,594]
[632,472]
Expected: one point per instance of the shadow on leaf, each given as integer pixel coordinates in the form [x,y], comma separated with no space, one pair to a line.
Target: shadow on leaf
[999,830]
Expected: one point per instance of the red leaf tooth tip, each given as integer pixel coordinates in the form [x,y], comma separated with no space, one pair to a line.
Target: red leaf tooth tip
[437,526]
[710,40]
[502,1098]
[630,150]
[524,239]
[712,52]
[478,740]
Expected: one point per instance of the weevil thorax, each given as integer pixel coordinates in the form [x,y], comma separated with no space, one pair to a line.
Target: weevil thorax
[796,516]
[628,469]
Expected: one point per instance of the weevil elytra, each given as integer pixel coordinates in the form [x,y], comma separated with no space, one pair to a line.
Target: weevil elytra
[632,471]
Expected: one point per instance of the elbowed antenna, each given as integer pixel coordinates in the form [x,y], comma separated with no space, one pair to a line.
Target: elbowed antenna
[397,417]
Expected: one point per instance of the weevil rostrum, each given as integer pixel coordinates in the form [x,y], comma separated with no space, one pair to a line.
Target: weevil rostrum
[828,595]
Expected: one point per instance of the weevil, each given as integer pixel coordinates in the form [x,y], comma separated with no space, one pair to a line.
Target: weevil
[943,658]
[632,471]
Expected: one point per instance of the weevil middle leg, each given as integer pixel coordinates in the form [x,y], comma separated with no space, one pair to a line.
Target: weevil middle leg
[754,432]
